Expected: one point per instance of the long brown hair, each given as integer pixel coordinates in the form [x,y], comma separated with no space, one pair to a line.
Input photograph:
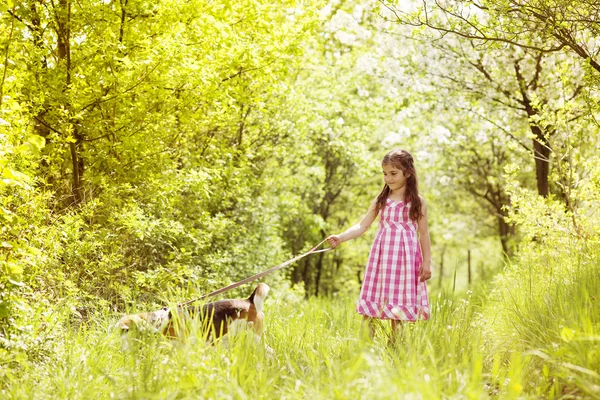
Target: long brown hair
[402,160]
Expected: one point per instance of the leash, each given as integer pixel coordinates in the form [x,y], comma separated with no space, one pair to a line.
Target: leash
[259,275]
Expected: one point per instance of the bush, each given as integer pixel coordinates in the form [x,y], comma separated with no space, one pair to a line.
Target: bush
[546,303]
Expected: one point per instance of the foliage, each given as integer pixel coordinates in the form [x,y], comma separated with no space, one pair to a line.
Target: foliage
[540,25]
[153,151]
[339,102]
[319,352]
[135,136]
[330,359]
[21,208]
[546,305]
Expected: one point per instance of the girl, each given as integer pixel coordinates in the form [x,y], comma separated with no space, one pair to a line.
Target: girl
[399,262]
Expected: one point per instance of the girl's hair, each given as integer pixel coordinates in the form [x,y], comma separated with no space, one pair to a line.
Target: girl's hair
[402,160]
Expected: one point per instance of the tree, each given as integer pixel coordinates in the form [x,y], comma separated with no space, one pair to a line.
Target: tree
[159,120]
[543,26]
[533,71]
[343,107]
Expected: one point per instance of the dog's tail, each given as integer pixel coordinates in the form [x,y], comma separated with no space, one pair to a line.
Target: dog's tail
[258,296]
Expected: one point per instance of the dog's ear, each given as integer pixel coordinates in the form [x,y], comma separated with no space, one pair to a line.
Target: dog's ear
[258,296]
[124,324]
[261,290]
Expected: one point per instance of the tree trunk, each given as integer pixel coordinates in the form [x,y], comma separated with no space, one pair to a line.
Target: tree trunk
[469,266]
[542,160]
[506,231]
[64,54]
[319,269]
[38,41]
[541,145]
[306,278]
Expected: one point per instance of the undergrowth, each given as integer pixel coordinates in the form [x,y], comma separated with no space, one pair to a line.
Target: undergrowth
[533,332]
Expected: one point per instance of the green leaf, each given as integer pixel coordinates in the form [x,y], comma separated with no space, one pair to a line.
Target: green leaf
[32,145]
[14,268]
[16,178]
[38,142]
[16,282]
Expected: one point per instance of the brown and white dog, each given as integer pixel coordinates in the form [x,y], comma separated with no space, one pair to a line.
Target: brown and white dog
[216,319]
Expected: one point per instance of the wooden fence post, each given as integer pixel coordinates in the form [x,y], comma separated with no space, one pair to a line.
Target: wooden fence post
[469,265]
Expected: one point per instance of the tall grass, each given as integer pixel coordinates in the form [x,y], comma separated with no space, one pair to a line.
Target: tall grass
[518,337]
[547,307]
[320,350]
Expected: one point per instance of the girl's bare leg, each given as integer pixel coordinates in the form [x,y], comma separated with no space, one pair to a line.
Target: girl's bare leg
[396,326]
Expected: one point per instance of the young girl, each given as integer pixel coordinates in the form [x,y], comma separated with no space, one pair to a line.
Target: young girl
[399,262]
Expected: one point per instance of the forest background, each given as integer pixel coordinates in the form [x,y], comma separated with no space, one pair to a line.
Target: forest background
[152,151]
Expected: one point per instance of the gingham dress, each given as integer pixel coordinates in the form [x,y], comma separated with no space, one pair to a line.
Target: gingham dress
[391,287]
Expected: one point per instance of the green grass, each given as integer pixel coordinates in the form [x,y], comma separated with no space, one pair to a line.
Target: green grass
[319,352]
[510,338]
[547,307]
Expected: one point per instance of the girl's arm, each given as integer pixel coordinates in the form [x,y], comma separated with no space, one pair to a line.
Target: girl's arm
[425,270]
[356,230]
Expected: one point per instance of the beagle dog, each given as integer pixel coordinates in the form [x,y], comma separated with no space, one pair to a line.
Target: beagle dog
[217,318]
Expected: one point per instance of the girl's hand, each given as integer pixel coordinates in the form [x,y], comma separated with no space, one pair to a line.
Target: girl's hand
[334,241]
[424,272]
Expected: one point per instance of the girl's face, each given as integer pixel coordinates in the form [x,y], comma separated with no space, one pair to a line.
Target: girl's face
[394,177]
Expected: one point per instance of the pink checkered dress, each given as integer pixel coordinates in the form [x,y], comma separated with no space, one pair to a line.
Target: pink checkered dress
[391,287]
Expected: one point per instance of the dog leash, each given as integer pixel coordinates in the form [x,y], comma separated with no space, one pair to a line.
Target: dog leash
[259,275]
